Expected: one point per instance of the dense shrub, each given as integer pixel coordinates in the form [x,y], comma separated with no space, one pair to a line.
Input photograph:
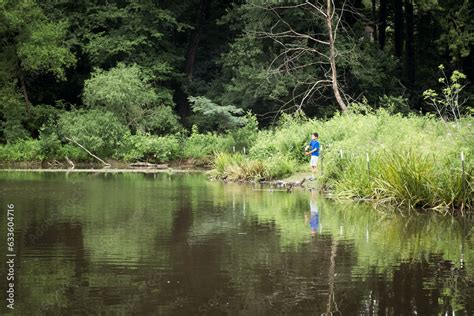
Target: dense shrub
[143,147]
[199,145]
[99,131]
[245,136]
[126,91]
[42,115]
[12,115]
[22,150]
[162,120]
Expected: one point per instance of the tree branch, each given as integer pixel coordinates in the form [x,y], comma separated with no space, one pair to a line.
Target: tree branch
[86,150]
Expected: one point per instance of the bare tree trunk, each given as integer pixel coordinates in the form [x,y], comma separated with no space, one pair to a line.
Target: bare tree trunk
[25,94]
[298,44]
[182,104]
[398,27]
[410,51]
[374,19]
[195,38]
[332,56]
[382,22]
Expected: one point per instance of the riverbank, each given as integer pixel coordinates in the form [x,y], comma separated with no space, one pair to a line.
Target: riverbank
[108,170]
[111,165]
[416,162]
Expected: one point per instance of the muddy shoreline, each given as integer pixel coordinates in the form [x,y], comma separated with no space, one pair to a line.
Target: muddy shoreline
[114,167]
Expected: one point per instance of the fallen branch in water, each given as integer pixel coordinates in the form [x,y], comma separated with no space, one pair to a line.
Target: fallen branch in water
[72,140]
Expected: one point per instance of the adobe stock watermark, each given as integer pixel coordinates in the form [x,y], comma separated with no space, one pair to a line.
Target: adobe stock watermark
[10,254]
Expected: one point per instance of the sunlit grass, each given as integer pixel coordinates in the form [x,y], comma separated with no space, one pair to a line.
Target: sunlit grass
[410,161]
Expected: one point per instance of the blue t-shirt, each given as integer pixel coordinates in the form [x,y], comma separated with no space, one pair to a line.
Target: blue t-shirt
[313,145]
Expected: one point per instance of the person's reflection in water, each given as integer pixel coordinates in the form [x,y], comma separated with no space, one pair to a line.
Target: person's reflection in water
[313,215]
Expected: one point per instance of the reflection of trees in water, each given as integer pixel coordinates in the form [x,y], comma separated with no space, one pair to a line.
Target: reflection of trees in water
[273,267]
[429,287]
[296,291]
[332,305]
[62,243]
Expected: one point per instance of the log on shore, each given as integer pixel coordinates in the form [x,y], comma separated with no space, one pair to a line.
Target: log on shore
[140,164]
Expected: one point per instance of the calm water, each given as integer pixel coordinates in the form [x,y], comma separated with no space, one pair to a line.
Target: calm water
[119,244]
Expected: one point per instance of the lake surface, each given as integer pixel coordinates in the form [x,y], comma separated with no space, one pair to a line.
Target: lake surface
[169,244]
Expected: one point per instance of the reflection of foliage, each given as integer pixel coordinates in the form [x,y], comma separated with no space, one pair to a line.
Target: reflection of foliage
[131,223]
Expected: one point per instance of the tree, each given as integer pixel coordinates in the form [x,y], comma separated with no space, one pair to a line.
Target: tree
[332,53]
[398,26]
[382,22]
[410,50]
[305,49]
[457,38]
[127,92]
[216,116]
[98,131]
[195,38]
[32,45]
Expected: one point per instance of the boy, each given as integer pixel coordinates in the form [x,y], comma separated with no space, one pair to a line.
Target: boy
[314,152]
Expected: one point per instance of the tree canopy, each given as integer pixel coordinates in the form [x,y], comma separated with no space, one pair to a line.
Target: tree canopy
[159,66]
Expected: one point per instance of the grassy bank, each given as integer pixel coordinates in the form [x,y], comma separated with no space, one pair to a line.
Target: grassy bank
[118,146]
[411,161]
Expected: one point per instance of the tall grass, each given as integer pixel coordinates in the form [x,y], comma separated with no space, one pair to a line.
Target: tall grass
[414,160]
[235,167]
[404,178]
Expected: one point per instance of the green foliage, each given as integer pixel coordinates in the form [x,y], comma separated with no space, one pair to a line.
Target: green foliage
[162,120]
[22,150]
[43,50]
[99,131]
[288,139]
[43,114]
[457,37]
[211,116]
[142,147]
[39,43]
[206,144]
[419,180]
[395,104]
[50,143]
[126,91]
[130,32]
[368,71]
[414,160]
[246,135]
[449,103]
[12,115]
[278,167]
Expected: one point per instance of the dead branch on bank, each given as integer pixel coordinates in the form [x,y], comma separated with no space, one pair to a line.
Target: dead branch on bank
[87,151]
